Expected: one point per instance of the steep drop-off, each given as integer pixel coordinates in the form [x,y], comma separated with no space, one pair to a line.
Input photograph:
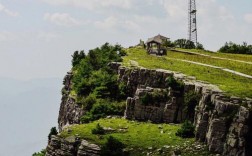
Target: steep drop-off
[222,122]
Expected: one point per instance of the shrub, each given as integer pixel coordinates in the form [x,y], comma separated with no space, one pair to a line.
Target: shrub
[123,90]
[88,117]
[103,108]
[175,84]
[98,130]
[88,102]
[112,147]
[236,48]
[53,131]
[154,97]
[186,130]
[184,43]
[41,153]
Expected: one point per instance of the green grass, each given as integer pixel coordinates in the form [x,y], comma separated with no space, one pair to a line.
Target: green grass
[228,82]
[137,136]
[233,65]
[240,57]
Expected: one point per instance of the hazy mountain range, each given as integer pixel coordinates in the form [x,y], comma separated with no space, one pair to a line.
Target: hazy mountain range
[28,109]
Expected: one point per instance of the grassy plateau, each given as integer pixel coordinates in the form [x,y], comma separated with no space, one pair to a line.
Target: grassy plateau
[139,138]
[228,82]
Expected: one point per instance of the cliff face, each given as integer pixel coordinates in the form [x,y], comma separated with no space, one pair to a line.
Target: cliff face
[69,112]
[222,122]
[71,146]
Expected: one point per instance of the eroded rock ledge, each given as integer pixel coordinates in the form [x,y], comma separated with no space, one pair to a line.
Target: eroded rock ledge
[71,146]
[222,122]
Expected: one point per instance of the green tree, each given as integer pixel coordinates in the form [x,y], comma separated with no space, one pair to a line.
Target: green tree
[53,131]
[184,43]
[77,57]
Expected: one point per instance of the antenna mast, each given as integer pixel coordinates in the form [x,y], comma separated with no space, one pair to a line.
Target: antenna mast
[192,22]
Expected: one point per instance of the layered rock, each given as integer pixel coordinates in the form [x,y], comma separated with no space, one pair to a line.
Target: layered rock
[71,146]
[166,110]
[70,112]
[221,121]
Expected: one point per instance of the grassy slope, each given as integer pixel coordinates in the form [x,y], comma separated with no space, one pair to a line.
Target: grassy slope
[138,136]
[237,66]
[241,57]
[232,84]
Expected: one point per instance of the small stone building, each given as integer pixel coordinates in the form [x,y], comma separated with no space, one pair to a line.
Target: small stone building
[154,45]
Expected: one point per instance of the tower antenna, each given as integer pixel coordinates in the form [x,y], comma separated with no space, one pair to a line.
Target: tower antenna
[192,22]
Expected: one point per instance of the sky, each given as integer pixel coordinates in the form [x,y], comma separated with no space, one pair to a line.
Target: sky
[37,37]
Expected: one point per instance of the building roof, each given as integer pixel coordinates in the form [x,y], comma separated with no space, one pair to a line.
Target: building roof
[158,39]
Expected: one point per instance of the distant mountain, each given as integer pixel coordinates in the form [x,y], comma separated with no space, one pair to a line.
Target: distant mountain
[28,109]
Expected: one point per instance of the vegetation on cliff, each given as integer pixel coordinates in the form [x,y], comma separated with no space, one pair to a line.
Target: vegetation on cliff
[95,86]
[139,138]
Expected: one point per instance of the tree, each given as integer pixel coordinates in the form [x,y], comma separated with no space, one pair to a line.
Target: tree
[184,43]
[77,57]
[199,46]
[236,48]
[167,44]
[53,131]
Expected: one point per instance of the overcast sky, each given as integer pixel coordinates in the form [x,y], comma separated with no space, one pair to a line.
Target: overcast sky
[37,37]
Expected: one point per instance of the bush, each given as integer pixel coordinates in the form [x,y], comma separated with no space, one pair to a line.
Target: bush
[88,117]
[123,90]
[236,48]
[41,153]
[112,147]
[53,131]
[154,97]
[103,108]
[98,130]
[88,102]
[174,84]
[184,43]
[186,130]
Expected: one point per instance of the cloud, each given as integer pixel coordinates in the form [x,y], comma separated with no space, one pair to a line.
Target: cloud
[117,23]
[175,9]
[92,4]
[7,36]
[47,36]
[62,19]
[248,18]
[7,11]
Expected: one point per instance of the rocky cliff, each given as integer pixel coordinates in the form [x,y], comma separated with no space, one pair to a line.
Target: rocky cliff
[69,112]
[222,122]
[71,146]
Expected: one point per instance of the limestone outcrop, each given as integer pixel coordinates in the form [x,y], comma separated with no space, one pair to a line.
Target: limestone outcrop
[71,146]
[69,113]
[224,123]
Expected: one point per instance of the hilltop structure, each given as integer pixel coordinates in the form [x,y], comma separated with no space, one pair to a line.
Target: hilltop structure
[154,45]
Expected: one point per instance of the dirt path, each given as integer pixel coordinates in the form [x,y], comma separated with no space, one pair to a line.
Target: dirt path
[216,67]
[214,57]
